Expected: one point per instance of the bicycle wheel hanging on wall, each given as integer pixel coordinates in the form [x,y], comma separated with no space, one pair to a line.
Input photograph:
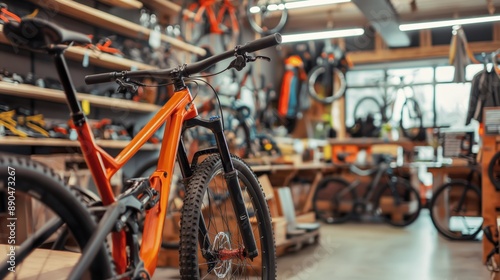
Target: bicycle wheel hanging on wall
[411,123]
[267,17]
[322,87]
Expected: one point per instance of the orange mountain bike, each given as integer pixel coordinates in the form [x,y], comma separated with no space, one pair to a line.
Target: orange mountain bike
[210,17]
[226,229]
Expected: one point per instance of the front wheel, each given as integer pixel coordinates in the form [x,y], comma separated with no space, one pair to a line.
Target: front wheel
[207,197]
[398,203]
[456,210]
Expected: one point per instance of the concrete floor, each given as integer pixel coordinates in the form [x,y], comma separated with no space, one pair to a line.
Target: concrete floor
[359,251]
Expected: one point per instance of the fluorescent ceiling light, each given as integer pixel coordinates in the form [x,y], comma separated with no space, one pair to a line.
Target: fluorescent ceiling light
[297,4]
[322,35]
[445,23]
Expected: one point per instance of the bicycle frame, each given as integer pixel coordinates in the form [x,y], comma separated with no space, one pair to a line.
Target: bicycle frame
[103,166]
[205,6]
[383,169]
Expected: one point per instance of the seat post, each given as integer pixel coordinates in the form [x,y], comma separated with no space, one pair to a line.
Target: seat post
[69,88]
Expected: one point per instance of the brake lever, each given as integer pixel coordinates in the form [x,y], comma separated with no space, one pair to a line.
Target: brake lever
[254,58]
[241,61]
[238,63]
[124,86]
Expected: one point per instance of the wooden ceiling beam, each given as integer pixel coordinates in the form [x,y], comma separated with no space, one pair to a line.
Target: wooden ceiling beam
[415,53]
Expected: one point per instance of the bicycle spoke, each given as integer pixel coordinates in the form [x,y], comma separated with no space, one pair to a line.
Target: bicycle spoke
[35,241]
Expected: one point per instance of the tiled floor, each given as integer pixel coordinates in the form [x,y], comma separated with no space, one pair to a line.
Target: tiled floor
[359,251]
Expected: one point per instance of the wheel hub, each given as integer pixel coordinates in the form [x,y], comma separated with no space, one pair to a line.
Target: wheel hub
[222,245]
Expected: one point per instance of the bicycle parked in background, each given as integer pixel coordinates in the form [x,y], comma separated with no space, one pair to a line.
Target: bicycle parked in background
[456,206]
[395,201]
[383,110]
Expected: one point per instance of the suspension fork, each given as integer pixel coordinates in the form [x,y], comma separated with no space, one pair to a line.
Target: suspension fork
[187,172]
[231,177]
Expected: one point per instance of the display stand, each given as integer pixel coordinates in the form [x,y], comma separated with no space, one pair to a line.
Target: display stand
[490,196]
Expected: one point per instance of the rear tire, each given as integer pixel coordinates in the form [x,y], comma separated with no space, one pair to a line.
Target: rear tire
[327,203]
[407,195]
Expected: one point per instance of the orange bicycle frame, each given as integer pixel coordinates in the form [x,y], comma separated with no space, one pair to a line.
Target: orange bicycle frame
[206,6]
[103,166]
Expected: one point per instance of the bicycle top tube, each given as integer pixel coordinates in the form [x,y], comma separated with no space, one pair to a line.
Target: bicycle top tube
[184,71]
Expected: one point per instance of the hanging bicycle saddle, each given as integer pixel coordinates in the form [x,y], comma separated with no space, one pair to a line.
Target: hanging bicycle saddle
[39,34]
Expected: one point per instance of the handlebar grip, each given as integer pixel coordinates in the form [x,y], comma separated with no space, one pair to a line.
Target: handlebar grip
[259,44]
[100,78]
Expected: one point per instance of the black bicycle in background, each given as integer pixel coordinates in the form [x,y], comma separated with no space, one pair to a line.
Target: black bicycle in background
[456,206]
[395,201]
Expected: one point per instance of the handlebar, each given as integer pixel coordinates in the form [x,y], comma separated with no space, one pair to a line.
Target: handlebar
[188,69]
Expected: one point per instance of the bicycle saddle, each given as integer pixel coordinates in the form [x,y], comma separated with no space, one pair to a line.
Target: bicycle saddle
[39,34]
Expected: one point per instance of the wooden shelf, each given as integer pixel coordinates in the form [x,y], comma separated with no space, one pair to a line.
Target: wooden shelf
[127,4]
[290,167]
[96,57]
[54,142]
[168,7]
[105,60]
[111,22]
[29,91]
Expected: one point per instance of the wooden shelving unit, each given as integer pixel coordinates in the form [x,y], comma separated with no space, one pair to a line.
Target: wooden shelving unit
[96,57]
[127,4]
[168,7]
[111,22]
[29,91]
[53,142]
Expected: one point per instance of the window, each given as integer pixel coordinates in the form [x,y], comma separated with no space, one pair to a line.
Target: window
[410,75]
[452,101]
[445,73]
[442,102]
[364,78]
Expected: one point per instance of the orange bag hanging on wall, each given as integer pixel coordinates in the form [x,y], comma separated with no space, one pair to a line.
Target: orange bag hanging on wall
[288,103]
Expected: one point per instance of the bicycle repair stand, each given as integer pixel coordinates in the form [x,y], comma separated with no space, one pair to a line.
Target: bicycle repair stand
[490,134]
